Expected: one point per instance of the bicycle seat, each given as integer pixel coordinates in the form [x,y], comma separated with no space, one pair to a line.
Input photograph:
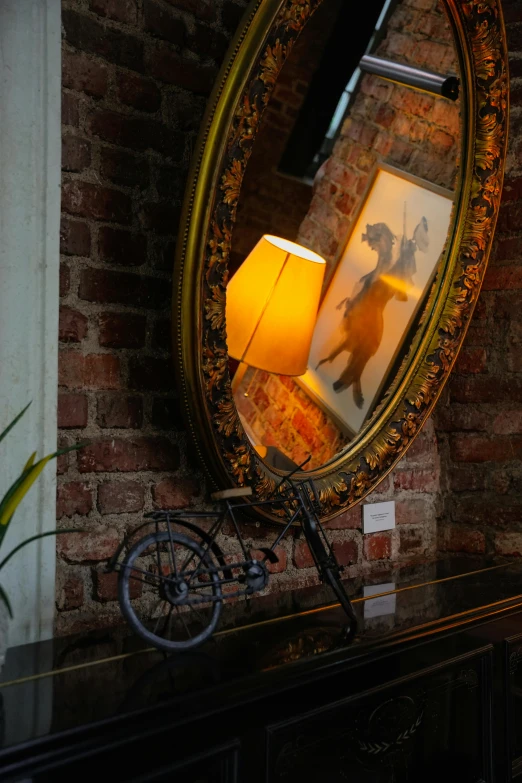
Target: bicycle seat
[237,492]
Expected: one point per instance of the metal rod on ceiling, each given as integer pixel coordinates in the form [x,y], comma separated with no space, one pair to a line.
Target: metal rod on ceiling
[447,86]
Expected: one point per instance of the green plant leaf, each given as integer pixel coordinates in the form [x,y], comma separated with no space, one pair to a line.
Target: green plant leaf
[30,461]
[7,497]
[23,483]
[28,478]
[36,537]
[7,602]
[15,420]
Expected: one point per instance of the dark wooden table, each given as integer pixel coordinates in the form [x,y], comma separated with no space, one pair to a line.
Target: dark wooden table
[431,690]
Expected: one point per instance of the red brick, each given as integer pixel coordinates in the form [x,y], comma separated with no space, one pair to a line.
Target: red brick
[81,73]
[214,44]
[346,520]
[514,358]
[503,277]
[71,595]
[160,21]
[202,9]
[471,360]
[174,493]
[122,330]
[115,411]
[72,411]
[452,418]
[422,448]
[119,10]
[65,279]
[149,373]
[106,586]
[139,92]
[161,335]
[509,219]
[72,325]
[302,557]
[95,371]
[464,478]
[488,388]
[166,414]
[70,109]
[120,497]
[305,428]
[121,247]
[138,133]
[231,14]
[512,189]
[136,454]
[462,540]
[477,448]
[170,67]
[75,238]
[273,568]
[96,202]
[508,544]
[160,218]
[123,168]
[73,498]
[91,36]
[346,552]
[64,460]
[385,116]
[488,511]
[505,249]
[411,541]
[377,546]
[508,422]
[76,153]
[416,480]
[104,286]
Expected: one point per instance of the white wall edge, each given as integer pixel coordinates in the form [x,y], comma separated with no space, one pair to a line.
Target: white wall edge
[30,149]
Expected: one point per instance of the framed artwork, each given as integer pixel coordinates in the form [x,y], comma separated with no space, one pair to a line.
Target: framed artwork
[384,271]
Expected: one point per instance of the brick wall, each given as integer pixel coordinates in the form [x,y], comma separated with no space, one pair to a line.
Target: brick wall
[136,77]
[479,420]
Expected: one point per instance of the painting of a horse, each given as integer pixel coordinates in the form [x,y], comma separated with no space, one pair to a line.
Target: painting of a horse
[380,279]
[361,329]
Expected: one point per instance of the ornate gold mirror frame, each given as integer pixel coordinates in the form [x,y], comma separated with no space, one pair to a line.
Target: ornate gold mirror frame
[243,89]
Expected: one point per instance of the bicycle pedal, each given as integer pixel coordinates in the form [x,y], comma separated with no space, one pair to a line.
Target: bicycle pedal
[269,554]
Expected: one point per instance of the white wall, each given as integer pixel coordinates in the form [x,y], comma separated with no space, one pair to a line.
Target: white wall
[29,266]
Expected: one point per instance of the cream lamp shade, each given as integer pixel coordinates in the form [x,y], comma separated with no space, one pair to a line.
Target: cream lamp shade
[272,303]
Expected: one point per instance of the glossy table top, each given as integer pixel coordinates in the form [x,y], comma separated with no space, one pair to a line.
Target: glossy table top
[72,681]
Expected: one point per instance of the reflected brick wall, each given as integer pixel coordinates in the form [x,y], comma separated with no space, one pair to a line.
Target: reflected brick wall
[410,130]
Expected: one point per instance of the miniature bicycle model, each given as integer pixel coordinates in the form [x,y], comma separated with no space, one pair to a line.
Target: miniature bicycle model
[187,579]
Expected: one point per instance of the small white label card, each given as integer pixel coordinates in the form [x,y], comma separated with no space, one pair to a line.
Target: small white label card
[378,516]
[385,604]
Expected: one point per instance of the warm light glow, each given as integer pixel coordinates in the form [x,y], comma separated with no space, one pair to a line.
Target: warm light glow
[402,286]
[272,303]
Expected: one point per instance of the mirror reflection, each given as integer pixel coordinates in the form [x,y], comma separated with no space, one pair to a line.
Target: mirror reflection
[342,219]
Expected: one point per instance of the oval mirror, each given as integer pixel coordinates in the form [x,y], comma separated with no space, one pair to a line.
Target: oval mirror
[336,228]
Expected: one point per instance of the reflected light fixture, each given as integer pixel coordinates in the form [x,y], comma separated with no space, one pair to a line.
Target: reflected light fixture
[272,303]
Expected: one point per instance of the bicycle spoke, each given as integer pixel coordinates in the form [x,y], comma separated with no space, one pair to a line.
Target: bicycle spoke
[162,603]
[180,614]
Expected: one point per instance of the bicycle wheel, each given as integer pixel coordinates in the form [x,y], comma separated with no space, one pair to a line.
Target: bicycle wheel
[162,615]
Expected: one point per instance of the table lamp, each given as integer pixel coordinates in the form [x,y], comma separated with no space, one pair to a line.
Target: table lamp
[272,303]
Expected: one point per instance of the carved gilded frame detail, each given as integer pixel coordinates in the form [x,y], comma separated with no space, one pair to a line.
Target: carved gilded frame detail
[257,54]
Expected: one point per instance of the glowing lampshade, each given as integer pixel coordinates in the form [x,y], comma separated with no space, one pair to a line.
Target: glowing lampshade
[272,303]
